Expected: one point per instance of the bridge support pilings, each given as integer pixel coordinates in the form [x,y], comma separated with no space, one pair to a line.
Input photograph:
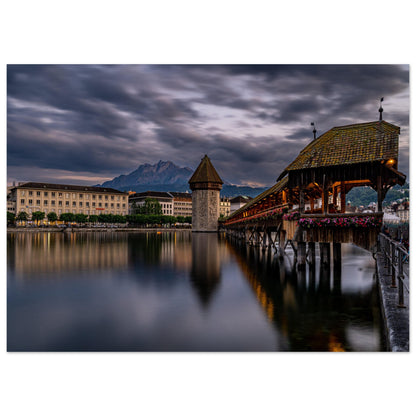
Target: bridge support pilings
[311,253]
[301,257]
[282,240]
[325,253]
[336,250]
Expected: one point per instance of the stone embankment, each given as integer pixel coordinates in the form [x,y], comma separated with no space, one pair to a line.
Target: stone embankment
[93,229]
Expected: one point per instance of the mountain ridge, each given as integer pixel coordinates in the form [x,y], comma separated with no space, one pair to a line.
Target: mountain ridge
[167,176]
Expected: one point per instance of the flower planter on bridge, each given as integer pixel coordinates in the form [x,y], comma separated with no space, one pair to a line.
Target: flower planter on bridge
[360,229]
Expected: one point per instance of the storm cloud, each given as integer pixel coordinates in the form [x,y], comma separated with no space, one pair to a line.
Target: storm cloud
[84,124]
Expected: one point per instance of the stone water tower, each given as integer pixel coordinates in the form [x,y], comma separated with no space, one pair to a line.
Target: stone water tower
[205,184]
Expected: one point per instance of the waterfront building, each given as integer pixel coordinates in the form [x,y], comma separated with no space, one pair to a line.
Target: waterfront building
[182,204]
[165,200]
[205,184]
[225,205]
[76,199]
[238,202]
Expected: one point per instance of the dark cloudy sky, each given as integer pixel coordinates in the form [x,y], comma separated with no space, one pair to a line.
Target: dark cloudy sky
[85,124]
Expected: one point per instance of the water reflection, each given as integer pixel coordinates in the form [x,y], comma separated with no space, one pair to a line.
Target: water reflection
[308,308]
[178,291]
[41,254]
[205,272]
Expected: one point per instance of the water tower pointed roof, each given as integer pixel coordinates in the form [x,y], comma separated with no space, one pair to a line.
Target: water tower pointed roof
[205,173]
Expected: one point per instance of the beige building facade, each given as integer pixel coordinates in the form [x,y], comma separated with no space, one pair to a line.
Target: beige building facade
[47,197]
[182,204]
[165,200]
[225,207]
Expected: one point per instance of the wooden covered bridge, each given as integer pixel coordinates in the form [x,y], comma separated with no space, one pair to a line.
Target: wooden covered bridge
[307,205]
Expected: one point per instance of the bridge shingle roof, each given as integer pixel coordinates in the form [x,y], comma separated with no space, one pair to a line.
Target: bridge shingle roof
[275,188]
[355,143]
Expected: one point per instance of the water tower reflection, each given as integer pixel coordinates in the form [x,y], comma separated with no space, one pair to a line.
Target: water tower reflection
[206,270]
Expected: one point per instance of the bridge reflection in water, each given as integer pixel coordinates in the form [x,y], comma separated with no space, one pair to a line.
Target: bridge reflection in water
[308,307]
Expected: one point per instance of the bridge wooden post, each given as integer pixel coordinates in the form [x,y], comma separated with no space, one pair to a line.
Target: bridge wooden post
[334,195]
[342,196]
[301,258]
[336,249]
[325,252]
[301,200]
[265,244]
[311,252]
[282,240]
[380,195]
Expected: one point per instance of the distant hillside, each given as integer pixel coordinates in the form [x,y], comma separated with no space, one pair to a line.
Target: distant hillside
[364,195]
[166,176]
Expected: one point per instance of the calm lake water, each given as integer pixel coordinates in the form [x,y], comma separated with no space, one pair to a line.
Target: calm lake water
[174,291]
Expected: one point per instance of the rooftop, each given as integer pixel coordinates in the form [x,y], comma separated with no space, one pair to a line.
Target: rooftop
[205,173]
[151,194]
[354,143]
[63,187]
[240,198]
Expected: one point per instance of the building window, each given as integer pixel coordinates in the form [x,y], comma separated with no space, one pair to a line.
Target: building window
[80,204]
[93,204]
[38,202]
[93,197]
[100,204]
[87,196]
[30,193]
[106,205]
[112,197]
[60,203]
[60,194]
[66,195]
[112,205]
[53,194]
[80,196]
[22,201]
[30,201]
[53,203]
[45,202]
[87,204]
[106,197]
[67,204]
[45,194]
[74,204]
[37,193]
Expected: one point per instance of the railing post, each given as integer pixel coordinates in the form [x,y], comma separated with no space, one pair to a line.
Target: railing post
[400,278]
[392,270]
